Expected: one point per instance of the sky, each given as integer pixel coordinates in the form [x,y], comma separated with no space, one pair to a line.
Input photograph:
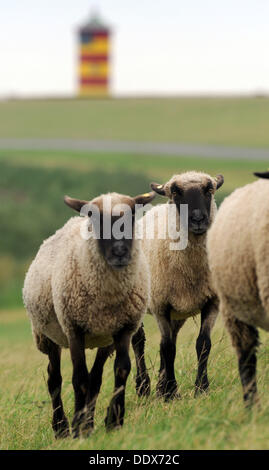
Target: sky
[164,47]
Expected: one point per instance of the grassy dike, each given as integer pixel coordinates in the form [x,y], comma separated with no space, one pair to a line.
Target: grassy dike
[225,121]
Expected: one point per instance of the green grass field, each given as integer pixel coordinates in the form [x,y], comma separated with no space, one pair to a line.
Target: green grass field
[226,121]
[32,186]
[214,421]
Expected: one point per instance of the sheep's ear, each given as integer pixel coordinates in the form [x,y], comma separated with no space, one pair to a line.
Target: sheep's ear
[265,174]
[158,188]
[220,180]
[75,204]
[144,198]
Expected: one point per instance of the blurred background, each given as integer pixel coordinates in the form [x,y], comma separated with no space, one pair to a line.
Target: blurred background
[98,96]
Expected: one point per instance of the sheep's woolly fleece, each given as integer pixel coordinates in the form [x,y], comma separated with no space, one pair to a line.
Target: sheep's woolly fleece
[69,283]
[239,254]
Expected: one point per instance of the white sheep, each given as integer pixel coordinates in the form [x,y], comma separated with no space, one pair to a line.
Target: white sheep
[180,284]
[87,293]
[238,253]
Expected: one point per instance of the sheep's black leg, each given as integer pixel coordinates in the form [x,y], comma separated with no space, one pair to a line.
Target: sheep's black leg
[122,367]
[82,422]
[59,421]
[245,339]
[203,344]
[142,377]
[95,378]
[167,385]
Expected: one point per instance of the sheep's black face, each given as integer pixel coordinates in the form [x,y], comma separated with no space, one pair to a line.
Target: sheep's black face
[117,252]
[199,200]
[114,233]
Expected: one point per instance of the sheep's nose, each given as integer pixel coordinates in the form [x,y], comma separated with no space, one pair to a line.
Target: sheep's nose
[119,249]
[197,215]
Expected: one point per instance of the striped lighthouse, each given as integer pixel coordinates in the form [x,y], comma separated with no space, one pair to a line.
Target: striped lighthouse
[94,58]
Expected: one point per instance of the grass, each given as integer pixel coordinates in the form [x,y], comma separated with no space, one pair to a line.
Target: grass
[214,421]
[225,121]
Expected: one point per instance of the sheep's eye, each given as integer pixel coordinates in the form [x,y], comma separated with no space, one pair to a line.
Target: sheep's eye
[209,190]
[176,192]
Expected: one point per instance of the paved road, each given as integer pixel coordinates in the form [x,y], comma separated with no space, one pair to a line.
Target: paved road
[144,148]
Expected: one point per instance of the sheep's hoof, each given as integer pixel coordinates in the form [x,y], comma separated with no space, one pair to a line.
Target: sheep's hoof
[61,429]
[200,391]
[251,400]
[81,431]
[201,388]
[82,426]
[167,390]
[143,386]
[114,418]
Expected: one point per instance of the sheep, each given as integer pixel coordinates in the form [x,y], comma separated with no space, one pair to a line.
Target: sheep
[238,254]
[180,285]
[84,292]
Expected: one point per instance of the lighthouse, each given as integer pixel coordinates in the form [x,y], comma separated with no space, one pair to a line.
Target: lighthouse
[94,58]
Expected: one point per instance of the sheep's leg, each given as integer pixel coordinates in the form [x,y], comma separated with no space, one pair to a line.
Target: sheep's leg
[167,385]
[122,367]
[82,422]
[203,344]
[245,339]
[59,421]
[142,377]
[95,378]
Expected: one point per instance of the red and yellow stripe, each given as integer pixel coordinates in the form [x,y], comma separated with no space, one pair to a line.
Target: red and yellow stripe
[94,65]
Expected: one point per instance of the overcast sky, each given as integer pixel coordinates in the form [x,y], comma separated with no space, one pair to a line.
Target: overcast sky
[159,46]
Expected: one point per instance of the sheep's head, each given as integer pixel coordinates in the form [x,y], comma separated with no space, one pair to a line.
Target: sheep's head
[197,191]
[112,216]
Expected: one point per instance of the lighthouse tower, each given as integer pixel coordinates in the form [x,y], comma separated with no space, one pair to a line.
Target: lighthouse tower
[94,58]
